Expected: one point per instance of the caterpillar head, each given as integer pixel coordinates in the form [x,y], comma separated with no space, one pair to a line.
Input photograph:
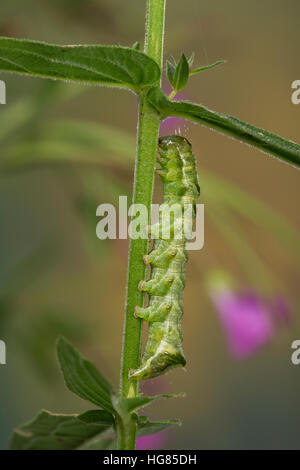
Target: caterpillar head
[171,145]
[178,165]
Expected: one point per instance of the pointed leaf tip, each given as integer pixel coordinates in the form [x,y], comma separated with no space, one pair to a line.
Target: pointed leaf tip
[181,75]
[171,73]
[207,67]
[147,428]
[191,59]
[136,46]
[132,404]
[82,377]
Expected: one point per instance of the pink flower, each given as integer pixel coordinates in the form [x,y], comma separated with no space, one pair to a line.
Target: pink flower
[152,442]
[281,309]
[172,124]
[248,320]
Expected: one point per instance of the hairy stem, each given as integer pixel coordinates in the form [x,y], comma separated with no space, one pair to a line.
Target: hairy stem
[147,136]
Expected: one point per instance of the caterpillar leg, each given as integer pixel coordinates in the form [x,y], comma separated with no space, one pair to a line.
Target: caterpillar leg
[154,312]
[157,286]
[161,257]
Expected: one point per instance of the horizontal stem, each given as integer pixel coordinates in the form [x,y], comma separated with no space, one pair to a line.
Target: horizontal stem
[268,142]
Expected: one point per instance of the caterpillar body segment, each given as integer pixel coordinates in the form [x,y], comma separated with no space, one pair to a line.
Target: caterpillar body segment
[168,260]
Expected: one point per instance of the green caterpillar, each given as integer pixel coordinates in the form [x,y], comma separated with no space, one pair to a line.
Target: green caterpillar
[167,260]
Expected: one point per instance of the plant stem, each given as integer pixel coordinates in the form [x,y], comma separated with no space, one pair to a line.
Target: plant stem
[172,94]
[147,137]
[126,433]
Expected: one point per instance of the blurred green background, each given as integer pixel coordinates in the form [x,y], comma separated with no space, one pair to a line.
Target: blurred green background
[56,167]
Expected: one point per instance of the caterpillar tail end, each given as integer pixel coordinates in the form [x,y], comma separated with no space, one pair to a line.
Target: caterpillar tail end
[157,365]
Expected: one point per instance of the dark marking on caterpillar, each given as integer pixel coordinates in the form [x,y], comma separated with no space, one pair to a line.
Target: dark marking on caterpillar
[168,259]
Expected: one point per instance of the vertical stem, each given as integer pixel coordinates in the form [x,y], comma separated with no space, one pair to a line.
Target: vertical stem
[147,137]
[155,26]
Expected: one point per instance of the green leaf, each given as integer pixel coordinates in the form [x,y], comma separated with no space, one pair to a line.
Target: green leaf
[181,75]
[272,144]
[152,427]
[102,444]
[82,377]
[136,46]
[144,428]
[171,73]
[50,431]
[173,60]
[92,64]
[131,404]
[207,67]
[191,59]
[93,430]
